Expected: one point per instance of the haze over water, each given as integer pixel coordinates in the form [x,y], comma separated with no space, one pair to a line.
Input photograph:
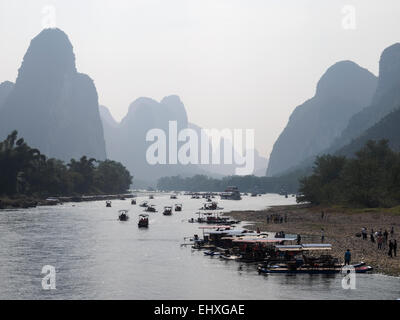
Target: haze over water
[98,257]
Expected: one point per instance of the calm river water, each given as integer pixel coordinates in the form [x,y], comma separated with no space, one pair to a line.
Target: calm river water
[98,257]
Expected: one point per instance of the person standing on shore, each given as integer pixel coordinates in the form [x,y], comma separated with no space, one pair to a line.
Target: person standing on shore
[347,257]
[392,232]
[322,214]
[390,253]
[322,235]
[364,233]
[298,239]
[372,236]
[380,241]
[386,235]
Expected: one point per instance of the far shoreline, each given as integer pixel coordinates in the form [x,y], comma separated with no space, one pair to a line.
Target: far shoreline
[25,202]
[340,226]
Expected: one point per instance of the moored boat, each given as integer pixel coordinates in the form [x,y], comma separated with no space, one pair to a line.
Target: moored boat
[231,193]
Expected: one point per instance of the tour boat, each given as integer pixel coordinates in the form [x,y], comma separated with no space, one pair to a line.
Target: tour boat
[123,215]
[143,220]
[167,211]
[231,193]
[151,208]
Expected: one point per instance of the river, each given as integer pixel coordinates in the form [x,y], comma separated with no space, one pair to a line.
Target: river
[98,257]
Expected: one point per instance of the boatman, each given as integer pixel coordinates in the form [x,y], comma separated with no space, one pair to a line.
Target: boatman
[298,239]
[347,257]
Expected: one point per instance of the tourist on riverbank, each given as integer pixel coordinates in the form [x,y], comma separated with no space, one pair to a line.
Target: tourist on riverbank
[380,241]
[347,257]
[392,232]
[268,219]
[364,233]
[386,235]
[298,239]
[390,253]
[372,236]
[322,235]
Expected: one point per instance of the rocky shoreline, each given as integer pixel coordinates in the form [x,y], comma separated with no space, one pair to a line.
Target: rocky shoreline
[22,202]
[340,228]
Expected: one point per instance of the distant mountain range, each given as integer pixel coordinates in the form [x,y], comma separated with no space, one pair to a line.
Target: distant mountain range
[374,114]
[52,106]
[125,141]
[56,110]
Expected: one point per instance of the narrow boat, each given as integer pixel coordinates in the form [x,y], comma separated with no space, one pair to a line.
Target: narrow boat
[167,211]
[108,204]
[311,270]
[151,208]
[173,196]
[143,204]
[151,196]
[178,207]
[133,201]
[212,253]
[143,220]
[123,215]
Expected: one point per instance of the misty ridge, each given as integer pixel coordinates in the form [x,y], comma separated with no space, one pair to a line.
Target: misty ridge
[56,109]
[351,106]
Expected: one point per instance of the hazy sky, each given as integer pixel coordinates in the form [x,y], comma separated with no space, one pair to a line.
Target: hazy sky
[234,63]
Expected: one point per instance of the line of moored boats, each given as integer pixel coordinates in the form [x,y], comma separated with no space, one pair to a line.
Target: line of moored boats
[277,253]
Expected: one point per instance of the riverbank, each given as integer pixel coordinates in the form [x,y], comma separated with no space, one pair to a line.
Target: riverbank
[24,202]
[340,228]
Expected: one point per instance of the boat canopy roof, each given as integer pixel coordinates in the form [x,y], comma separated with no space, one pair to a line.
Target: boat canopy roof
[123,211]
[264,240]
[144,215]
[229,232]
[303,247]
[215,227]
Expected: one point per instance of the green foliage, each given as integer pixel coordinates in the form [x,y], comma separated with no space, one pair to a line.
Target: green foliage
[24,170]
[250,183]
[371,179]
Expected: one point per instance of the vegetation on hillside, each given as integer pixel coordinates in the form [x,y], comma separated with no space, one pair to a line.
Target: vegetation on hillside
[370,179]
[25,171]
[250,183]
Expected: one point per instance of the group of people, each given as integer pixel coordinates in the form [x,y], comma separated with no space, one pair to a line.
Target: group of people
[276,218]
[381,238]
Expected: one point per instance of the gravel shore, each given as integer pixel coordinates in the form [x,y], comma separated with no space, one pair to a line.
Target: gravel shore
[340,228]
